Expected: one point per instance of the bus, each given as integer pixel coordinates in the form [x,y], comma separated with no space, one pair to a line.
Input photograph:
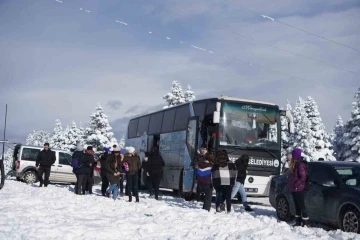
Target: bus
[237,125]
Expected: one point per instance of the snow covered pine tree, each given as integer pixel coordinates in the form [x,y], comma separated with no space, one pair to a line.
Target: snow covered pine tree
[189,94]
[58,137]
[99,134]
[352,132]
[38,138]
[72,136]
[320,138]
[176,97]
[338,144]
[285,136]
[302,138]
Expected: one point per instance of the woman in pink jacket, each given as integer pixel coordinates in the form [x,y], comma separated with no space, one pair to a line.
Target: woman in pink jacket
[297,185]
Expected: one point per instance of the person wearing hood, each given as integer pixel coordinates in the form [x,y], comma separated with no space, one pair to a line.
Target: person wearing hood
[104,172]
[113,168]
[87,161]
[133,165]
[154,169]
[297,186]
[77,170]
[224,174]
[44,160]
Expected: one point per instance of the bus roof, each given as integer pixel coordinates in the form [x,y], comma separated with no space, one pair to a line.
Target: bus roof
[227,98]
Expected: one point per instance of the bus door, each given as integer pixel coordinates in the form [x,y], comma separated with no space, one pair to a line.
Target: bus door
[192,146]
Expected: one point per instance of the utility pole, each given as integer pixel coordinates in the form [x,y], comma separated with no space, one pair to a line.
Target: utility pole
[3,153]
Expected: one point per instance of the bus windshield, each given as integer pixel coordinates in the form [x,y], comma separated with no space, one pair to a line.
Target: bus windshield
[247,125]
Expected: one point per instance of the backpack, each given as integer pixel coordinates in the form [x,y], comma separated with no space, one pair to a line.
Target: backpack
[75,163]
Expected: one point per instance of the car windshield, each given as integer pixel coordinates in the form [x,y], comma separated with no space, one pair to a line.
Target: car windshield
[247,125]
[350,175]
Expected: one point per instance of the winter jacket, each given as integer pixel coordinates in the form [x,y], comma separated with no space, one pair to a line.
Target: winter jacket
[297,178]
[78,155]
[203,172]
[155,164]
[199,157]
[241,167]
[134,163]
[45,158]
[224,176]
[103,160]
[87,161]
[113,166]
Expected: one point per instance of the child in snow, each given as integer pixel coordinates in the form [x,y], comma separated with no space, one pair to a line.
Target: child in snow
[113,167]
[224,173]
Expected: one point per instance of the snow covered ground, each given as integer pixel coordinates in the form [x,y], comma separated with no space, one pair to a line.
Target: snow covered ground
[29,212]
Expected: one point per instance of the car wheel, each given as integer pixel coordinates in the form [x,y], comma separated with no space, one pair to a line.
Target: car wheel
[30,177]
[350,220]
[283,209]
[18,179]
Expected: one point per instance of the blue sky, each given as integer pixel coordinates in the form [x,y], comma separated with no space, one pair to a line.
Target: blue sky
[59,62]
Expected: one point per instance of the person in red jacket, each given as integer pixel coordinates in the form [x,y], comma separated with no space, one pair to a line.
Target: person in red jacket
[297,185]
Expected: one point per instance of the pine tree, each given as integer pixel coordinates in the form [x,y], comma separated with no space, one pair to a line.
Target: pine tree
[176,97]
[58,137]
[285,135]
[338,133]
[8,160]
[82,138]
[352,132]
[122,142]
[38,138]
[302,138]
[99,134]
[72,136]
[189,94]
[319,136]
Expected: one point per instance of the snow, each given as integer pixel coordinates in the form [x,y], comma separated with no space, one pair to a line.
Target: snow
[189,94]
[168,38]
[29,212]
[181,42]
[264,16]
[124,23]
[211,52]
[59,1]
[177,96]
[87,11]
[58,137]
[73,136]
[150,32]
[199,48]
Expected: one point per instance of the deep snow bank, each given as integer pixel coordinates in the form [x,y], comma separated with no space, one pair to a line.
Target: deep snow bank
[28,212]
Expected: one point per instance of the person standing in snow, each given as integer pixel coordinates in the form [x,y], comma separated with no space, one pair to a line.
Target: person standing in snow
[113,167]
[77,171]
[297,186]
[223,175]
[241,166]
[155,170]
[147,180]
[199,157]
[132,160]
[87,161]
[203,174]
[44,160]
[104,172]
[90,179]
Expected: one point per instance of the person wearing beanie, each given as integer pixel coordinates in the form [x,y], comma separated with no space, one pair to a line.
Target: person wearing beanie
[297,186]
[113,168]
[132,160]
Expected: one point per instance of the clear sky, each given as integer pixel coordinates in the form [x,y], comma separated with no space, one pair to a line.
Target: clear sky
[57,61]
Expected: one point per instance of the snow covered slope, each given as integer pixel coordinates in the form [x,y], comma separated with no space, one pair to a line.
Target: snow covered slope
[28,212]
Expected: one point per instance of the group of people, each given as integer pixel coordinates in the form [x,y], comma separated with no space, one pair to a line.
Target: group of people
[225,176]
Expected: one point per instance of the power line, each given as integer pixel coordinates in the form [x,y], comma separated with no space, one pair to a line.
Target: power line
[211,52]
[294,27]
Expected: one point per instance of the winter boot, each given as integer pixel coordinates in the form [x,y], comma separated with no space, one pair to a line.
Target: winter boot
[248,209]
[107,194]
[297,222]
[218,209]
[222,207]
[305,223]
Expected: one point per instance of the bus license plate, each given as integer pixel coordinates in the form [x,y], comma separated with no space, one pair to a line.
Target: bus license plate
[254,190]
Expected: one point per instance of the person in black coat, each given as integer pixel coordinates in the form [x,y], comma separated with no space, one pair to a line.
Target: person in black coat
[44,160]
[86,166]
[77,171]
[155,170]
[104,178]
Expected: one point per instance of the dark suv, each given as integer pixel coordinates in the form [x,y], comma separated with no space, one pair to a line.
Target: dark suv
[333,197]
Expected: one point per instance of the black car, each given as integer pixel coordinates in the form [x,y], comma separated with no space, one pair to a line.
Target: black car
[333,197]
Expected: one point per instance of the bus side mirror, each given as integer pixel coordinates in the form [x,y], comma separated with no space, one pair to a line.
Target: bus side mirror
[291,127]
[216,116]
